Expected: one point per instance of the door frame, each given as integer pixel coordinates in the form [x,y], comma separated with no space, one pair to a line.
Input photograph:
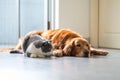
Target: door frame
[53,15]
[46,2]
[94,23]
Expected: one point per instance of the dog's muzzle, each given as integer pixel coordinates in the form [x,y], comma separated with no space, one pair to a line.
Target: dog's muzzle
[86,53]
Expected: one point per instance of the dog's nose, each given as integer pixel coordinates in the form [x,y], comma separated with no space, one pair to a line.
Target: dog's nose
[86,53]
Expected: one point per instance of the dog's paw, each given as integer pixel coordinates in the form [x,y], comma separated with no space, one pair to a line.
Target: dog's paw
[99,52]
[103,53]
[67,51]
[58,53]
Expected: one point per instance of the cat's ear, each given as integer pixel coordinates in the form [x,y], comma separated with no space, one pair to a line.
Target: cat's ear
[44,43]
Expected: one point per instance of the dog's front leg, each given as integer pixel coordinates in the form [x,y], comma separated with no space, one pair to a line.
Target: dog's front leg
[58,52]
[98,52]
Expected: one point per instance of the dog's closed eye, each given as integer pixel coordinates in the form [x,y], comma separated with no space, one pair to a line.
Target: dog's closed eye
[78,45]
[87,45]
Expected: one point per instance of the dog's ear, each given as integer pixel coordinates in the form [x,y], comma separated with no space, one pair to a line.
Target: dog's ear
[68,48]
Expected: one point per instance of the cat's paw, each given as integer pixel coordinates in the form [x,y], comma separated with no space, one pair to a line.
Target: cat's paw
[33,56]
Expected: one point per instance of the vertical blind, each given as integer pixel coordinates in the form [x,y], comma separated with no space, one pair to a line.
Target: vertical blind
[17,17]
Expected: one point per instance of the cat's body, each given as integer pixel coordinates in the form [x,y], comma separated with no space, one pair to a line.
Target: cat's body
[36,46]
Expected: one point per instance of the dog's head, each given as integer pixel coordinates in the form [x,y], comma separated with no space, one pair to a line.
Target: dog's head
[78,47]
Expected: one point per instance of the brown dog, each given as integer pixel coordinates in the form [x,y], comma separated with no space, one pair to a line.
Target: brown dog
[66,43]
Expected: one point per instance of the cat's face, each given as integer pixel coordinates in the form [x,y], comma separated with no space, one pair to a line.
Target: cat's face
[46,46]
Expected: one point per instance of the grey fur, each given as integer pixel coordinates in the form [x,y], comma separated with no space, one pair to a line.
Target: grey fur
[36,46]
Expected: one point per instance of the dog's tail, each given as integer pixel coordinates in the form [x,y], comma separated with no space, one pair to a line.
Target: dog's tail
[6,49]
[11,50]
[16,52]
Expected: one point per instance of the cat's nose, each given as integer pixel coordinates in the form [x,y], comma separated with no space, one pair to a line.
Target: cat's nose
[28,54]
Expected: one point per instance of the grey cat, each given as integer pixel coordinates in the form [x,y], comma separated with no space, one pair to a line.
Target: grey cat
[36,46]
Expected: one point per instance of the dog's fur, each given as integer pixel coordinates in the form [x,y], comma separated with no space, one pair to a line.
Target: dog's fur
[66,43]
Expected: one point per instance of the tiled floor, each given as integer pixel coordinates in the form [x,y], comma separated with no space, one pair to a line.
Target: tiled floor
[18,67]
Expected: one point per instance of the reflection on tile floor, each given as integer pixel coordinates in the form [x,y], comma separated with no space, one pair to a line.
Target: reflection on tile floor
[18,67]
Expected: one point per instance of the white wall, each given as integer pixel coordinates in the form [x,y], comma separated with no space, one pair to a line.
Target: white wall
[74,14]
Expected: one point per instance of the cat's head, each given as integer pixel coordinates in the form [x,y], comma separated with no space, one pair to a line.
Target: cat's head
[45,45]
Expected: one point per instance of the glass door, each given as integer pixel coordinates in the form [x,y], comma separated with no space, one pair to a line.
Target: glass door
[18,17]
[33,15]
[8,21]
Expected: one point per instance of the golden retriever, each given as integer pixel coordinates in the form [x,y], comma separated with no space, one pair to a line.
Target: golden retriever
[66,42]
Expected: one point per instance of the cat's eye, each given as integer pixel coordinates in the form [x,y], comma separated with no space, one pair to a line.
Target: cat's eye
[78,45]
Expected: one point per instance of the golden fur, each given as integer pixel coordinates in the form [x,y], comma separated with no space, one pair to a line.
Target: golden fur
[66,43]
